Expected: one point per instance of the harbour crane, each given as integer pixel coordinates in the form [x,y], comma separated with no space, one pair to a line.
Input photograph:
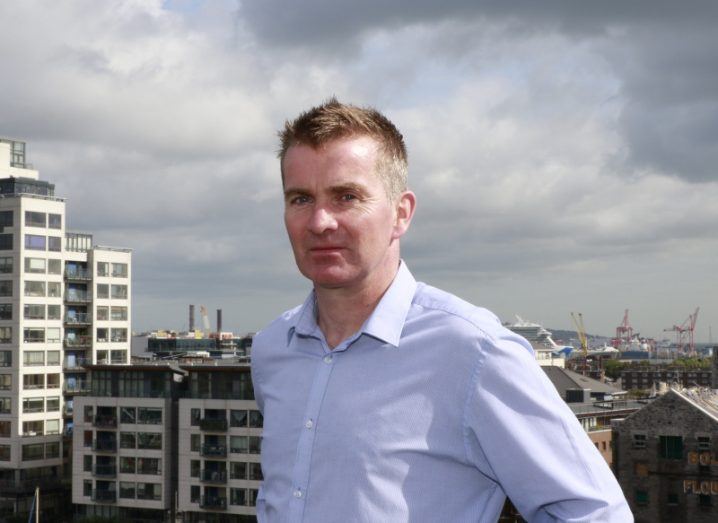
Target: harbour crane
[685,331]
[581,331]
[624,332]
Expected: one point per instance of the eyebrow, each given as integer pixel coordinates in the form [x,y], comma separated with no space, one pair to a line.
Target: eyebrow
[336,189]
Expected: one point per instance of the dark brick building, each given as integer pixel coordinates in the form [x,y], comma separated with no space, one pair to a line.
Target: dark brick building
[666,458]
[645,378]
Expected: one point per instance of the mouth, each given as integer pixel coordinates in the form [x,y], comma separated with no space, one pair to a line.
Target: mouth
[326,249]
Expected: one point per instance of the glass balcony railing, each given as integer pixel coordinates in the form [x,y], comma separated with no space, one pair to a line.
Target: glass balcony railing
[105,496]
[106,445]
[209,449]
[78,342]
[213,476]
[77,273]
[77,297]
[213,425]
[107,471]
[213,502]
[105,421]
[78,318]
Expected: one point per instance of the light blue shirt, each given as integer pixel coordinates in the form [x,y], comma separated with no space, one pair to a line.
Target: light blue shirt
[432,411]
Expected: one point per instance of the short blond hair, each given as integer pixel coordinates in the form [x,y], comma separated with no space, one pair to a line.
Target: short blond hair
[334,120]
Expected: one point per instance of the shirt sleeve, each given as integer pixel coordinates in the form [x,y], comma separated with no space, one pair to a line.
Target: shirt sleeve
[520,433]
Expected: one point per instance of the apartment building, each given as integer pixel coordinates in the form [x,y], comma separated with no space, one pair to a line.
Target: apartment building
[167,441]
[63,302]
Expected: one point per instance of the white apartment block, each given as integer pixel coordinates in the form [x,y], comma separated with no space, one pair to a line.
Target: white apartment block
[220,430]
[64,302]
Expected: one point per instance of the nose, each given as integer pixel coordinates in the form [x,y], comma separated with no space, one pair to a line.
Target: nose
[322,220]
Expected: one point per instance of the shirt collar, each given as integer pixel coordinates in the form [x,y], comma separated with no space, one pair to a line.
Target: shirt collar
[385,323]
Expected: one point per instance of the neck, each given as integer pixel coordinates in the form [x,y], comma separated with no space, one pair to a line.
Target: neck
[341,312]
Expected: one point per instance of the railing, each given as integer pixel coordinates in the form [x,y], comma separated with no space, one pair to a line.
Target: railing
[105,421]
[81,342]
[213,425]
[213,476]
[67,411]
[213,502]
[78,274]
[153,471]
[213,450]
[80,318]
[77,364]
[106,496]
[76,388]
[104,445]
[108,471]
[77,297]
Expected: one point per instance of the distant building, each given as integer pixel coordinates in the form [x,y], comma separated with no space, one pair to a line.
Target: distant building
[646,377]
[163,441]
[63,302]
[666,458]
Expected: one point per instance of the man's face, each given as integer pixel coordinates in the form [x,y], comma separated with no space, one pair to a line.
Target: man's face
[343,229]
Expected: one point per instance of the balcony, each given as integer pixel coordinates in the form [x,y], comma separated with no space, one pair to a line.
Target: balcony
[108,445]
[213,476]
[213,425]
[72,296]
[105,471]
[105,421]
[104,496]
[81,342]
[79,387]
[212,450]
[213,502]
[79,318]
[78,274]
[67,410]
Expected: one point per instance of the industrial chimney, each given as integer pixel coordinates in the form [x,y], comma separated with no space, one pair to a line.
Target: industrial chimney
[191,318]
[219,320]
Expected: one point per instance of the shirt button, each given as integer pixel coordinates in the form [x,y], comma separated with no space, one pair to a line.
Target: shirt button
[328,358]
[309,424]
[297,493]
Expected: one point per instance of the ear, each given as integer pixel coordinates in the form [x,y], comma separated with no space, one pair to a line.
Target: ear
[405,207]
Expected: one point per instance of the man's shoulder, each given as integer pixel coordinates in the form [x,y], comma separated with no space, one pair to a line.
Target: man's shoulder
[456,310]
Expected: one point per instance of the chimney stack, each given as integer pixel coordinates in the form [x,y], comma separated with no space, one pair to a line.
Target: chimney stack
[219,320]
[191,318]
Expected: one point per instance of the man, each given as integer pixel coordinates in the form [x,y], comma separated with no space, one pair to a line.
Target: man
[384,399]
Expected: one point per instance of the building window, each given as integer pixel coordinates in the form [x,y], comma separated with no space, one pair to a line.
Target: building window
[87,463]
[87,488]
[6,219]
[33,335]
[6,241]
[127,414]
[237,496]
[5,311]
[128,464]
[704,442]
[119,314]
[194,493]
[54,266]
[54,289]
[52,426]
[32,428]
[34,312]
[149,440]
[103,269]
[194,417]
[149,415]
[102,313]
[36,265]
[127,490]
[670,447]
[33,381]
[52,404]
[255,471]
[149,491]
[6,263]
[118,356]
[54,312]
[119,292]
[194,440]
[194,468]
[256,420]
[237,470]
[5,334]
[119,270]
[88,413]
[6,288]
[5,406]
[54,243]
[128,440]
[118,335]
[54,221]
[102,334]
[33,452]
[239,444]
[34,242]
[34,288]
[53,357]
[103,290]
[35,219]
[5,361]
[52,335]
[238,418]
[5,429]
[53,381]
[33,357]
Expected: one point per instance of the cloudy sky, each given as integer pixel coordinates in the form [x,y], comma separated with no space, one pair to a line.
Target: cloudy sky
[563,153]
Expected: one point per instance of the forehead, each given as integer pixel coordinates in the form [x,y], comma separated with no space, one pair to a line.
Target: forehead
[351,155]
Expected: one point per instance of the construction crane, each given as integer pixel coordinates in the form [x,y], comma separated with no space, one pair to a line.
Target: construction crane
[581,331]
[624,333]
[686,330]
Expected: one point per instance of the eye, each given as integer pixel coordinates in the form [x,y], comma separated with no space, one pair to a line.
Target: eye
[299,199]
[347,197]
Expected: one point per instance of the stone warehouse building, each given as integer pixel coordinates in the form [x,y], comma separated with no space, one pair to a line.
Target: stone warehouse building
[666,458]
